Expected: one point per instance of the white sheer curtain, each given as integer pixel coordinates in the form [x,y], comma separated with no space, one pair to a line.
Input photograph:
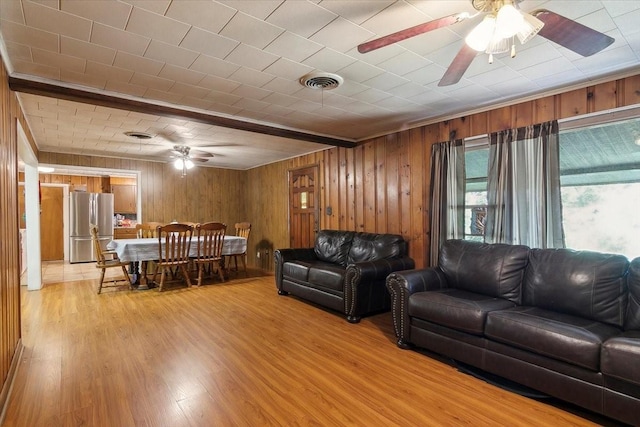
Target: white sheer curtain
[447,194]
[523,187]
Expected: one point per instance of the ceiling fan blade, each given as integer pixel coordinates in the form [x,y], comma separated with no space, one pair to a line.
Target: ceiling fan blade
[196,153]
[199,159]
[571,34]
[411,32]
[458,66]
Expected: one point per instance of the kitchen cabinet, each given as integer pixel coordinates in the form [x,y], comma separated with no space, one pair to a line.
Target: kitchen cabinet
[124,199]
[124,233]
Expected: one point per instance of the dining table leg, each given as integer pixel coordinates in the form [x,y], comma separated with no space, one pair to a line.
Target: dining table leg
[144,283]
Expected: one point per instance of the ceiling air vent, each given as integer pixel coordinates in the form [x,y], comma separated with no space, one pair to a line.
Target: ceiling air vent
[139,135]
[325,81]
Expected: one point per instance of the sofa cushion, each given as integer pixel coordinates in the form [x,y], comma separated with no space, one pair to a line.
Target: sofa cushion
[633,308]
[333,246]
[328,276]
[621,356]
[560,336]
[490,269]
[582,283]
[297,270]
[455,308]
[372,247]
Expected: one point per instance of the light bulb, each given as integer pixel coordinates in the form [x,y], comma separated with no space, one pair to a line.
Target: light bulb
[178,164]
[479,38]
[508,22]
[188,163]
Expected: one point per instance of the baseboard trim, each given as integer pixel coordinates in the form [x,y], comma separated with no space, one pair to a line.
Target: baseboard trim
[8,384]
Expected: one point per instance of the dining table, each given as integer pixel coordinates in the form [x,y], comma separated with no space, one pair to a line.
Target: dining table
[141,251]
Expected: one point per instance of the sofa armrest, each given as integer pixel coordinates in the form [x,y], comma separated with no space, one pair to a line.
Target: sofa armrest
[401,285]
[281,256]
[364,288]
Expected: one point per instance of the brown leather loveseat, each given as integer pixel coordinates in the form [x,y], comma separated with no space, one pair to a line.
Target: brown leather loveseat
[562,322]
[345,271]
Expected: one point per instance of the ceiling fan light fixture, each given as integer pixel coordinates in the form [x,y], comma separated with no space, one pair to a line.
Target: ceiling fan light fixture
[509,21]
[498,45]
[183,163]
[480,37]
[529,28]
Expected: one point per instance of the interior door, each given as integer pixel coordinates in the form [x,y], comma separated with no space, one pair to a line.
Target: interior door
[303,206]
[51,223]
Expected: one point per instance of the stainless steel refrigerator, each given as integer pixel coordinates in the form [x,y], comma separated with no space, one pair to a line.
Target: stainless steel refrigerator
[86,209]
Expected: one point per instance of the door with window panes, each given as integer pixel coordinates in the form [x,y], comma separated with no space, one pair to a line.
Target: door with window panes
[303,206]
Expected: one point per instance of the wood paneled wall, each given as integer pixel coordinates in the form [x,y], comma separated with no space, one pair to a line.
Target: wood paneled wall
[10,333]
[383,184]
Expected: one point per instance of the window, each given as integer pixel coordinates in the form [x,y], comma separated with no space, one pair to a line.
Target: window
[600,180]
[600,184]
[475,200]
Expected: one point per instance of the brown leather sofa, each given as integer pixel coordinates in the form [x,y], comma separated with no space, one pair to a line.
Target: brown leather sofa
[344,271]
[565,323]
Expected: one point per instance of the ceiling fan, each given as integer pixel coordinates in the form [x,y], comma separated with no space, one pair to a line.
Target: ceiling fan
[503,22]
[185,159]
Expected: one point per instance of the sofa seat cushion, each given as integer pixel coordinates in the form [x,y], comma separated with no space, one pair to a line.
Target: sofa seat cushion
[327,276]
[621,357]
[564,337]
[455,308]
[296,270]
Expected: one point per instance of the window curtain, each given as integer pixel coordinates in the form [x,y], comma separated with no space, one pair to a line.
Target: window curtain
[523,187]
[447,194]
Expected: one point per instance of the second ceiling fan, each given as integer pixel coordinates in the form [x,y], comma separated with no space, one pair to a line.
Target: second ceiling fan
[502,23]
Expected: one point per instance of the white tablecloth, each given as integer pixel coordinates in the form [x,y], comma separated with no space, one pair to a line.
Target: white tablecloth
[136,250]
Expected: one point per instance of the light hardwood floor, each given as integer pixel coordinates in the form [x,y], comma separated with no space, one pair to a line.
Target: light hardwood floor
[237,354]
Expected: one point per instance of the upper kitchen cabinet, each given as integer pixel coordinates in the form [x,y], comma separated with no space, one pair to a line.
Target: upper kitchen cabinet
[124,195]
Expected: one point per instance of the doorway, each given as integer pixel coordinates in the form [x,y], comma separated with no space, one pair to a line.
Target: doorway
[303,206]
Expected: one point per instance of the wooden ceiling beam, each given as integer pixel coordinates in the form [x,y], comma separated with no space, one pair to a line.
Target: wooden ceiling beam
[77,95]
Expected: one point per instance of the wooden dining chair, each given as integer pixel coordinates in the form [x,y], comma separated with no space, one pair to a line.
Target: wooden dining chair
[174,241]
[242,230]
[210,237]
[147,229]
[108,259]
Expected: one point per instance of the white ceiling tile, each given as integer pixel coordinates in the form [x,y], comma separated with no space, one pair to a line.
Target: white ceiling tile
[57,60]
[356,11]
[218,83]
[214,66]
[29,36]
[251,31]
[112,13]
[108,72]
[288,69]
[396,17]
[82,79]
[250,104]
[251,92]
[18,51]
[172,98]
[329,60]
[208,15]
[251,57]
[55,21]
[189,90]
[408,90]
[251,77]
[341,35]
[152,82]
[86,50]
[181,74]
[429,74]
[208,43]
[280,99]
[360,71]
[119,40]
[137,63]
[223,97]
[293,47]
[386,81]
[155,6]
[301,17]
[257,8]
[156,26]
[404,63]
[283,86]
[170,54]
[11,11]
